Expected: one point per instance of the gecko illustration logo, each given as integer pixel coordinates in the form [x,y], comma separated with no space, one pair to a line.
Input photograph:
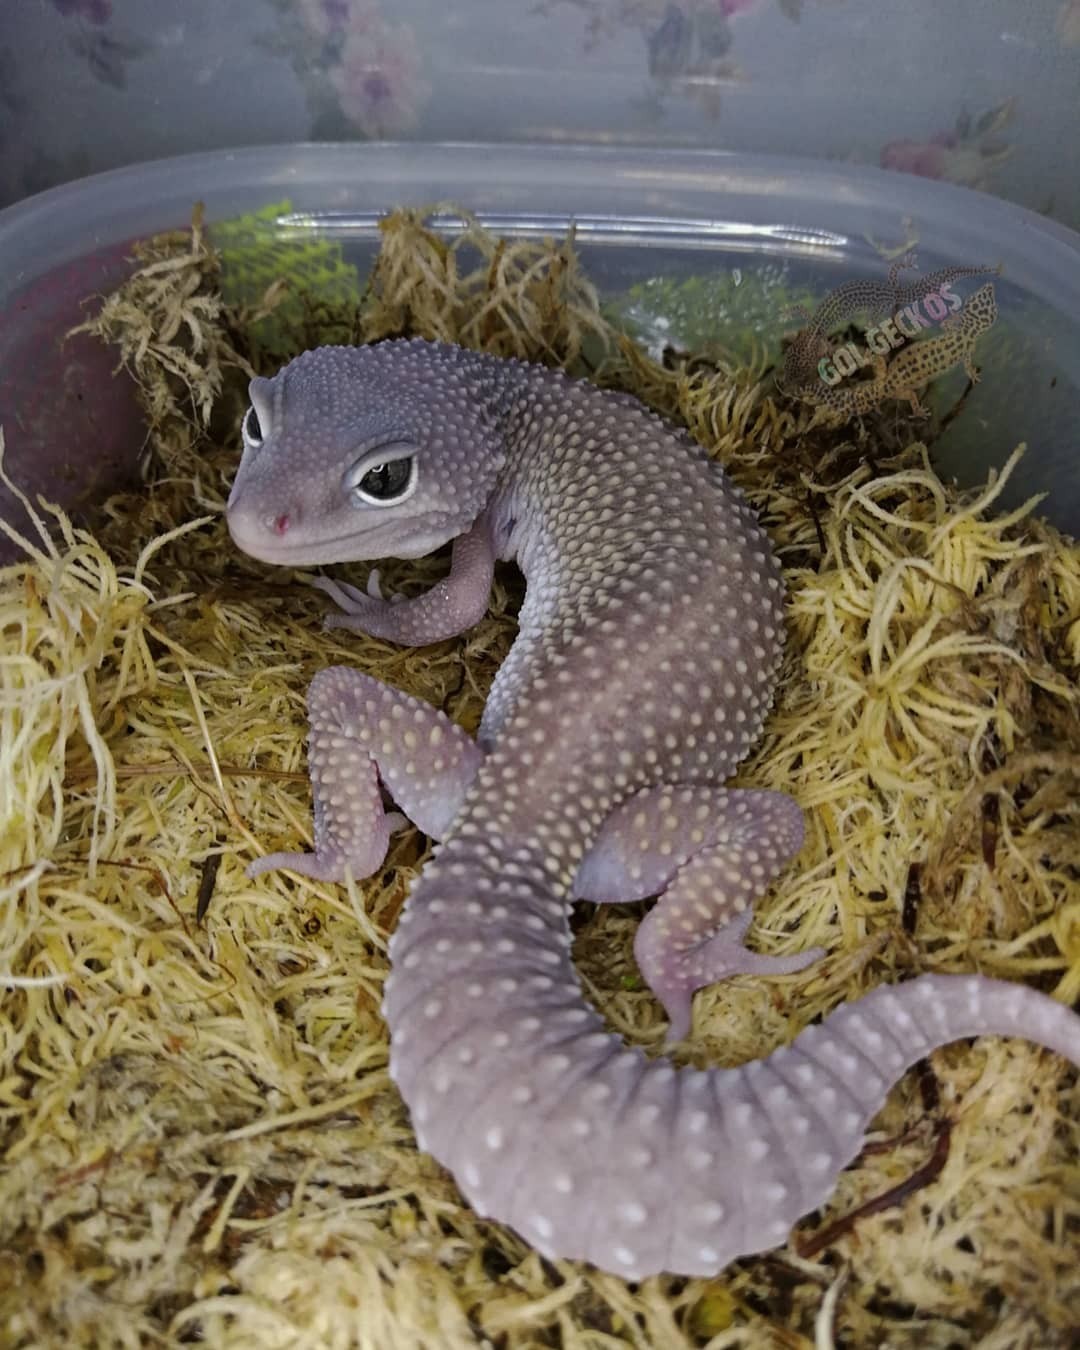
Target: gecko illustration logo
[890,334]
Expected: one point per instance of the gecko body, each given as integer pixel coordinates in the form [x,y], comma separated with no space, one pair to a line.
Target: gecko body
[648,649]
[867,296]
[916,365]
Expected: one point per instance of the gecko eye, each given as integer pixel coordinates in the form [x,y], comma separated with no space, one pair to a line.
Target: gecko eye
[251,428]
[379,480]
[386,482]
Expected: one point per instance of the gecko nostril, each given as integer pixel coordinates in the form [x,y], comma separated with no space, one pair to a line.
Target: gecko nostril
[280,524]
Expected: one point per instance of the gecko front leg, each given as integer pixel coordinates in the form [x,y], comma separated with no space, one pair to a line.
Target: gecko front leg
[918,408]
[361,731]
[452,605]
[710,851]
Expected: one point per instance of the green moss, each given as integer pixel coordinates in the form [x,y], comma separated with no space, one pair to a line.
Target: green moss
[257,251]
[734,314]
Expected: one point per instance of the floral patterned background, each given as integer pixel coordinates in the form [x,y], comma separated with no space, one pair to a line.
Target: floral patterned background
[980,92]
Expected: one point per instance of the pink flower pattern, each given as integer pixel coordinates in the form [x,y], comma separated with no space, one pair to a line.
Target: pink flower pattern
[379,79]
[94,11]
[967,154]
[928,159]
[327,18]
[372,67]
[362,68]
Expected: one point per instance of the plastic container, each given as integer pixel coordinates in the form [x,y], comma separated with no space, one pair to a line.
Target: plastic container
[72,427]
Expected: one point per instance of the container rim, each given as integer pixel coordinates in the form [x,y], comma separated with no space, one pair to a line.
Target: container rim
[815,207]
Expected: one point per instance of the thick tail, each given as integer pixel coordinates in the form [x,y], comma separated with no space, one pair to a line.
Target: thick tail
[591,1151]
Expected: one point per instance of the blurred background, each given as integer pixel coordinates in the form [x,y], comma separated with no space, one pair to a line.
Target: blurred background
[985,93]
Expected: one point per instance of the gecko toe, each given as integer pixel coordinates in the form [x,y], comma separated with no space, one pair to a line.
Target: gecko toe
[320,867]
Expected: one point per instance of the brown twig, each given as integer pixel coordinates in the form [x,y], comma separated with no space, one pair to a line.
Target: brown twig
[912,897]
[125,864]
[895,1195]
[206,885]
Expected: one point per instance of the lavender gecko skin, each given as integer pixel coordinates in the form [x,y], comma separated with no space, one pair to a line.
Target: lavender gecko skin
[649,642]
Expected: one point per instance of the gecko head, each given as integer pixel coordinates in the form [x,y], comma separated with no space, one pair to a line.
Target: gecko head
[355,453]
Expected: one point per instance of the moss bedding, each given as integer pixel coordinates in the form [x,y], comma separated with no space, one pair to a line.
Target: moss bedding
[201,1141]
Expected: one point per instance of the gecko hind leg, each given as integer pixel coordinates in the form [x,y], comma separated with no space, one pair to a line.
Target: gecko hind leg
[361,731]
[918,409]
[710,851]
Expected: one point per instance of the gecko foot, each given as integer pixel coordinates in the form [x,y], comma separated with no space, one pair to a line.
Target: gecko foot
[917,409]
[450,607]
[709,852]
[356,846]
[675,975]
[364,733]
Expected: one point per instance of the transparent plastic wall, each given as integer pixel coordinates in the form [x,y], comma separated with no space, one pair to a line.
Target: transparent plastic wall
[985,93]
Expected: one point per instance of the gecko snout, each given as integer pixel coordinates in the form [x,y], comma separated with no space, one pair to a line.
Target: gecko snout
[256,529]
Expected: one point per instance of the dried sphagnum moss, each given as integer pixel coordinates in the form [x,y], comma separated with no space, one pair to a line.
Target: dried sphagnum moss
[201,1141]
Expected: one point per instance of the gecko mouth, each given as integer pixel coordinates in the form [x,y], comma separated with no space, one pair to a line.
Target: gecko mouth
[272,539]
[267,539]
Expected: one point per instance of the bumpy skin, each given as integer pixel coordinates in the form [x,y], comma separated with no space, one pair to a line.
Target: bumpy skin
[649,643]
[915,366]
